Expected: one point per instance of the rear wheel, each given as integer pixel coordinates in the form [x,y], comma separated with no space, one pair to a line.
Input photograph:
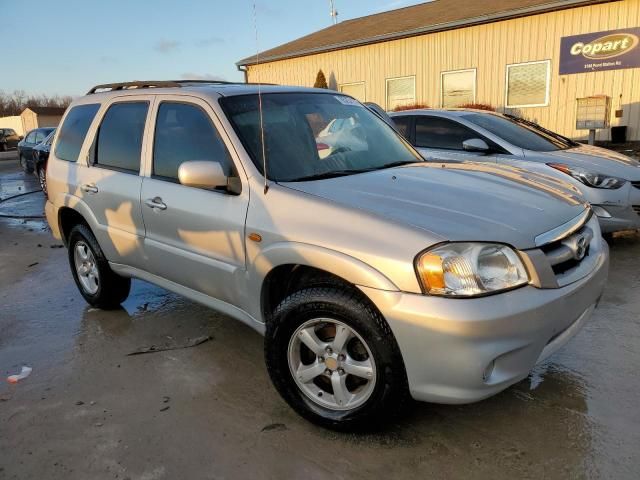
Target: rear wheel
[3,147]
[100,286]
[333,358]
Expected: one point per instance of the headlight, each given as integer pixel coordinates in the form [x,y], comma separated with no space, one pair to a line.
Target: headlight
[591,179]
[470,269]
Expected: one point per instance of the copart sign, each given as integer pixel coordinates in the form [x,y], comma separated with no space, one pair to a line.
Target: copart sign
[593,52]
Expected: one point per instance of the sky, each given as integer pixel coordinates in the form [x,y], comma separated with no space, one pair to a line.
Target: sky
[67,46]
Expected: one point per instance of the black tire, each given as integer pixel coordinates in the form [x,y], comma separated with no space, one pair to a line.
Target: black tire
[42,178]
[348,306]
[3,147]
[26,168]
[112,288]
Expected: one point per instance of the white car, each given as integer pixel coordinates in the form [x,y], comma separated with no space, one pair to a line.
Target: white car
[608,180]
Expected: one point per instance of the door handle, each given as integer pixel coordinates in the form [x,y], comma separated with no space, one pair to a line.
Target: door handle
[89,188]
[155,202]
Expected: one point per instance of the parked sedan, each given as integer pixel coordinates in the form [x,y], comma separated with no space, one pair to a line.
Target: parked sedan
[8,139]
[608,180]
[25,147]
[40,157]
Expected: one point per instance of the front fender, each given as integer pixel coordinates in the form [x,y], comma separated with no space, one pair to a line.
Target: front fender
[294,253]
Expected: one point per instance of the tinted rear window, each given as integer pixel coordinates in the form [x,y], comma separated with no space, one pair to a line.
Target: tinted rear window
[73,131]
[120,136]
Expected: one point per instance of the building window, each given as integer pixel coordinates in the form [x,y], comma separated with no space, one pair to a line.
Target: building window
[356,90]
[458,88]
[528,84]
[401,92]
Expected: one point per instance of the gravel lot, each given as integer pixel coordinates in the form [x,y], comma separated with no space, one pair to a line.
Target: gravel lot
[89,411]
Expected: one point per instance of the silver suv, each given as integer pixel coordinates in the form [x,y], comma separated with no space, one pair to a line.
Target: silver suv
[372,274]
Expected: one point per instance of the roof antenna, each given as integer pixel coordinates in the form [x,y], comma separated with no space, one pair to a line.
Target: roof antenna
[333,12]
[264,150]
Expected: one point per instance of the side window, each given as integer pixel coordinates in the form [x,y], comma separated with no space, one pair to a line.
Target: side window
[73,131]
[31,138]
[119,139]
[183,133]
[435,132]
[40,136]
[402,124]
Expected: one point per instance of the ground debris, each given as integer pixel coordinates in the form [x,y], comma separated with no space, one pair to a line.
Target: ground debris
[164,409]
[274,427]
[162,348]
[32,264]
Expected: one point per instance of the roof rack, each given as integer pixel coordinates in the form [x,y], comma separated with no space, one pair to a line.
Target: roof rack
[111,87]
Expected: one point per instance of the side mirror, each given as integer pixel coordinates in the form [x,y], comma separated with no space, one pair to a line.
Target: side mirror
[202,174]
[475,145]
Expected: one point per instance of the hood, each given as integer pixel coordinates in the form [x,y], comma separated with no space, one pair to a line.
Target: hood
[595,159]
[459,202]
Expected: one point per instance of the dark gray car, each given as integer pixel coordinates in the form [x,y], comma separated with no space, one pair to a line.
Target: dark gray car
[25,147]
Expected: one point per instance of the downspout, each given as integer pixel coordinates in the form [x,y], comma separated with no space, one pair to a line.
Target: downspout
[243,69]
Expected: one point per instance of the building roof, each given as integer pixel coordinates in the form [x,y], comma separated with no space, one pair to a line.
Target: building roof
[47,110]
[434,16]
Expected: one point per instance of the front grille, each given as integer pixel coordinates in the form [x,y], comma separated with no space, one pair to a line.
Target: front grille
[636,208]
[561,254]
[636,184]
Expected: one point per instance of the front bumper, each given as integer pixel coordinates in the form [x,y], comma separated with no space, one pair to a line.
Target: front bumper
[619,204]
[51,213]
[622,218]
[465,350]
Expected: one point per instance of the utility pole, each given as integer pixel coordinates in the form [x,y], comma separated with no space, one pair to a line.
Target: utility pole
[333,12]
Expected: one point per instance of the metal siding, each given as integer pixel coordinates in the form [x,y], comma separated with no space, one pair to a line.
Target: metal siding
[489,48]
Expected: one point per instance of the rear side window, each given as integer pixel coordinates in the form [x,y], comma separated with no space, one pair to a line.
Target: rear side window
[184,133]
[73,131]
[435,132]
[402,124]
[119,138]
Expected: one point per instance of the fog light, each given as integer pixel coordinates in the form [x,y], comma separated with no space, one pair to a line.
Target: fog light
[600,212]
[488,371]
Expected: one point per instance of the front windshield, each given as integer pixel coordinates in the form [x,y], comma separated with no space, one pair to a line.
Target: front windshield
[517,133]
[47,141]
[314,135]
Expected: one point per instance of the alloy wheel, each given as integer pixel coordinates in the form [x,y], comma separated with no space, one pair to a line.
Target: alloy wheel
[86,268]
[331,364]
[42,176]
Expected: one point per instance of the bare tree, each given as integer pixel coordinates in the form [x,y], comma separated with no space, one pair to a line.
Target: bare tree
[14,103]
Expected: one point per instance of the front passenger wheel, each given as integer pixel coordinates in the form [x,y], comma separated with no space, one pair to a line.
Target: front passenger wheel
[42,177]
[100,286]
[333,358]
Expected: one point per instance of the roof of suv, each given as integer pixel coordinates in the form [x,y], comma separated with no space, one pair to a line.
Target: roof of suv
[225,89]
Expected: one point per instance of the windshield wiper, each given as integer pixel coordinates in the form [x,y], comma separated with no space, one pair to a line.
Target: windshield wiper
[393,164]
[342,173]
[323,175]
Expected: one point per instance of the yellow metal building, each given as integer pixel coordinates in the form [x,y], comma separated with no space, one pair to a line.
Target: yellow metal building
[505,53]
